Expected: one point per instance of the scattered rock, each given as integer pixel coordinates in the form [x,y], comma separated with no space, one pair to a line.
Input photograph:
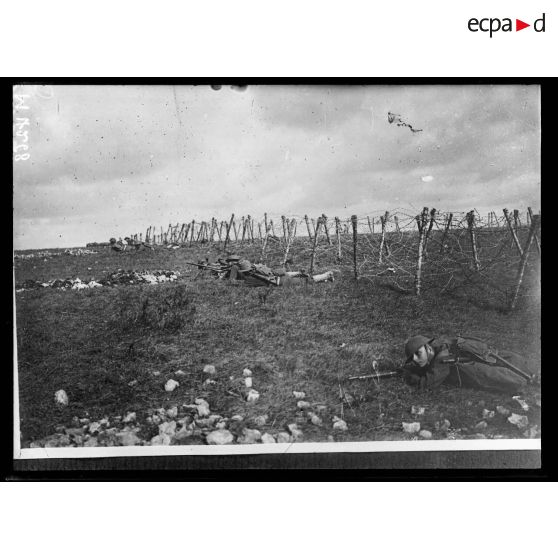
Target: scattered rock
[486,414]
[261,420]
[185,432]
[161,440]
[171,385]
[480,436]
[249,436]
[202,407]
[61,400]
[296,433]
[481,425]
[209,382]
[130,417]
[180,373]
[504,411]
[172,413]
[209,369]
[315,419]
[128,438]
[538,401]
[221,425]
[75,431]
[155,373]
[330,438]
[91,442]
[237,418]
[426,434]
[303,404]
[156,419]
[133,383]
[415,410]
[531,432]
[104,422]
[57,441]
[284,438]
[411,427]
[247,372]
[248,381]
[321,408]
[521,402]
[168,428]
[219,437]
[94,427]
[299,394]
[252,396]
[268,439]
[442,425]
[521,421]
[339,424]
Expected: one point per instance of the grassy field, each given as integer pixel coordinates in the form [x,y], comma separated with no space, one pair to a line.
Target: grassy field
[113,348]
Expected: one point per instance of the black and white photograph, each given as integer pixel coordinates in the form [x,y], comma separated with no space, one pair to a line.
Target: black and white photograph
[278,268]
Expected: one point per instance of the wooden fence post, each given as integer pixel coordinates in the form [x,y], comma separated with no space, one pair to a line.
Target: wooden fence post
[265,222]
[369,225]
[427,235]
[535,219]
[383,243]
[354,223]
[228,233]
[338,234]
[444,236]
[234,230]
[512,231]
[272,227]
[308,228]
[260,231]
[324,220]
[472,236]
[421,219]
[537,242]
[396,220]
[515,218]
[314,246]
[284,228]
[251,228]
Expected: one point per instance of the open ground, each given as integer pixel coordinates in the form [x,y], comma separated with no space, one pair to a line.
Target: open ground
[112,349]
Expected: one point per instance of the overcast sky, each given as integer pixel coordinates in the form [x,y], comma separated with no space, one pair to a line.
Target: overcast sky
[112,160]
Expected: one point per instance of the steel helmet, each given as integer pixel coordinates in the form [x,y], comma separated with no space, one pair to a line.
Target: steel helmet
[414,344]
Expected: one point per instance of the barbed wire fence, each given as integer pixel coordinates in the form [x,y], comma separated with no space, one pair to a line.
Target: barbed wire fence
[489,256]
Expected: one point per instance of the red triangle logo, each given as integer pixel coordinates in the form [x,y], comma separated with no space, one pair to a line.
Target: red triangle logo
[519,25]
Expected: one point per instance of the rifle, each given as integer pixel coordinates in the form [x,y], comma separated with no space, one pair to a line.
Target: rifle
[378,375]
[207,266]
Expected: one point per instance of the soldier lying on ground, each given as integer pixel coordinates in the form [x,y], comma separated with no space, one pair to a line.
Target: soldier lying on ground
[463,362]
[117,245]
[137,244]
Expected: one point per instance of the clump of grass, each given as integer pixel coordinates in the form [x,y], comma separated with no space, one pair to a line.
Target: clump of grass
[167,308]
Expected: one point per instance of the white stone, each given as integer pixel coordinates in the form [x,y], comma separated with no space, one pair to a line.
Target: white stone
[155,373]
[247,372]
[168,428]
[426,434]
[416,410]
[180,373]
[248,382]
[94,427]
[252,396]
[411,427]
[521,421]
[504,411]
[186,431]
[172,413]
[442,425]
[237,417]
[61,398]
[219,437]
[481,425]
[209,369]
[315,419]
[299,394]
[128,438]
[161,440]
[284,438]
[250,436]
[486,414]
[171,385]
[303,404]
[523,404]
[209,382]
[296,433]
[129,417]
[202,406]
[268,439]
[261,420]
[340,424]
